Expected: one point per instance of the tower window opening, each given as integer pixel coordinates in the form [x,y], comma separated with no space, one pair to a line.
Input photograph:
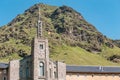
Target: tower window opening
[41,46]
[41,69]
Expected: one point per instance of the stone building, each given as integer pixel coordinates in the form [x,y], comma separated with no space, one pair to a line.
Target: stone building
[92,73]
[38,66]
[3,71]
[71,72]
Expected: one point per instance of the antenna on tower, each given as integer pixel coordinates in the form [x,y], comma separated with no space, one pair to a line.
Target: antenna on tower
[39,13]
[39,26]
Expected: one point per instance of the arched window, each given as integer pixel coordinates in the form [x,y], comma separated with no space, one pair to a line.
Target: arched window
[41,66]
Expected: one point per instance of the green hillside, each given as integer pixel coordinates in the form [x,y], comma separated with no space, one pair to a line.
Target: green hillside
[71,38]
[78,56]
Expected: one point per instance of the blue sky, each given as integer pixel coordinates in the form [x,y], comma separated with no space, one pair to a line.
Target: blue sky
[103,14]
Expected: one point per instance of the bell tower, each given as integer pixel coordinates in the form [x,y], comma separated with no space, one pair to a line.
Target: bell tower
[40,54]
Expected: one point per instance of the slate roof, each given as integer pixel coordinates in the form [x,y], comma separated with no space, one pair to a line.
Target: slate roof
[3,65]
[92,69]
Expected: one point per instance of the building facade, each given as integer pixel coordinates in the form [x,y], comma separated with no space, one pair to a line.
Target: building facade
[22,70]
[92,73]
[38,66]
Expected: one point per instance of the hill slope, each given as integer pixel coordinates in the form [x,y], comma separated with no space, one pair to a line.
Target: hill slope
[69,35]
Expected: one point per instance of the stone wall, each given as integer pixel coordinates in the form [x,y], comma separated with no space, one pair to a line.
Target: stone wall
[3,74]
[26,68]
[61,70]
[83,76]
[40,55]
[14,70]
[53,70]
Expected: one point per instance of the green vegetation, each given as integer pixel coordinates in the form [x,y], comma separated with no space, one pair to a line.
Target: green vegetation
[8,58]
[71,37]
[107,52]
[78,56]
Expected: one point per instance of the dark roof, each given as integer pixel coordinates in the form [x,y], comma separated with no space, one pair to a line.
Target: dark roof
[92,69]
[3,65]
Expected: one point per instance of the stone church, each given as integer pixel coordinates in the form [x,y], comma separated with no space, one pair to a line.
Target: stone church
[38,66]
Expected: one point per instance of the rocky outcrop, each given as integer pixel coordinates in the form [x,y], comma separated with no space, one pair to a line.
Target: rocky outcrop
[114,58]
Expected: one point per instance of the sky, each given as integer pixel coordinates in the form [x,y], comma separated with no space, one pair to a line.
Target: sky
[103,14]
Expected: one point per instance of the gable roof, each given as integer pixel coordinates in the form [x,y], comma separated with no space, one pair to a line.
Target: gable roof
[92,69]
[3,65]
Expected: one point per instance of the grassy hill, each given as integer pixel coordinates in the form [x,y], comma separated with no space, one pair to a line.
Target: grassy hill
[78,56]
[71,38]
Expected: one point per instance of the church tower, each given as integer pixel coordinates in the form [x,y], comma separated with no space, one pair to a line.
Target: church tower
[40,53]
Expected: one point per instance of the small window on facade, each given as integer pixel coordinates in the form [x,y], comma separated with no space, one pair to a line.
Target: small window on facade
[4,78]
[4,71]
[50,73]
[21,74]
[78,75]
[41,69]
[92,75]
[55,74]
[41,46]
[27,72]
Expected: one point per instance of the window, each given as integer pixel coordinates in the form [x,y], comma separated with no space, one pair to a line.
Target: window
[21,74]
[78,75]
[41,66]
[4,78]
[4,71]
[27,72]
[41,46]
[55,74]
[50,73]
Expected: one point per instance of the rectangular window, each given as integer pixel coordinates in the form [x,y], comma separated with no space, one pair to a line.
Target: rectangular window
[4,78]
[55,74]
[21,74]
[50,73]
[4,71]
[27,72]
[41,46]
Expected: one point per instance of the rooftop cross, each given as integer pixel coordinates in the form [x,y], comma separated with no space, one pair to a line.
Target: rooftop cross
[39,27]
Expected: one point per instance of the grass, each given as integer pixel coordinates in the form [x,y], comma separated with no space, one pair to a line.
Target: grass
[72,56]
[107,52]
[78,56]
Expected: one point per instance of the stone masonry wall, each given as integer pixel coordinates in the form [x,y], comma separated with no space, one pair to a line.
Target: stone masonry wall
[84,76]
[26,68]
[14,70]
[61,70]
